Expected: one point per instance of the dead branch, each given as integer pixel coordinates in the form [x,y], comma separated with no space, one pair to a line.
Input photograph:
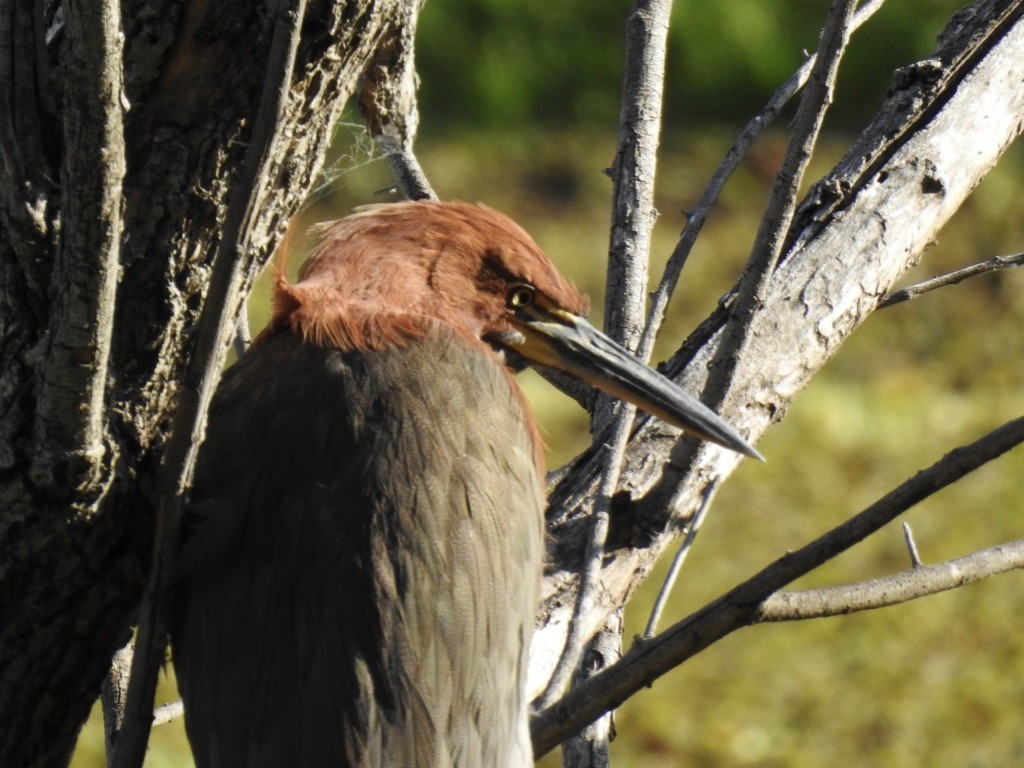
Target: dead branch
[633,216]
[995,264]
[852,244]
[919,581]
[740,606]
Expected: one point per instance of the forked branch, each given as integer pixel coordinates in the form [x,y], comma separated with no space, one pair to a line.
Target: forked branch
[633,215]
[742,605]
[995,264]
[919,581]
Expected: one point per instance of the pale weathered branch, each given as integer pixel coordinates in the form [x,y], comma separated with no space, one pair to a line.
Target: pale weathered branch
[113,696]
[920,581]
[695,219]
[590,747]
[633,172]
[857,233]
[600,521]
[168,713]
[70,456]
[751,291]
[778,216]
[740,606]
[243,335]
[908,538]
[692,529]
[387,100]
[995,264]
[749,296]
[633,215]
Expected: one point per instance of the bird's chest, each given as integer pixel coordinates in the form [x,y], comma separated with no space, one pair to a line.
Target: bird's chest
[437,440]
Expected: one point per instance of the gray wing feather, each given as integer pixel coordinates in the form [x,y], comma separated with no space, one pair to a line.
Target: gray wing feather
[360,563]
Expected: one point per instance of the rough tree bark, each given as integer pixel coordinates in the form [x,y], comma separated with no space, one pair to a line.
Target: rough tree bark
[91,375]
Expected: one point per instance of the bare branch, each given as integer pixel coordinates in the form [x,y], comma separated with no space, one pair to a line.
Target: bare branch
[749,297]
[768,244]
[217,323]
[387,100]
[851,243]
[69,428]
[633,172]
[633,217]
[168,713]
[908,537]
[920,581]
[649,659]
[995,264]
[600,522]
[696,218]
[692,529]
[243,336]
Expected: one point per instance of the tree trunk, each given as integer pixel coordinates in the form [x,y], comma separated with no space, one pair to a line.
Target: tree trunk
[90,376]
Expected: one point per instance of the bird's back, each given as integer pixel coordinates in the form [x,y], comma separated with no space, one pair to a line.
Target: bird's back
[361,561]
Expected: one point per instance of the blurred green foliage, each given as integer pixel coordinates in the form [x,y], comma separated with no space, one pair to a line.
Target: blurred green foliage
[512,66]
[519,104]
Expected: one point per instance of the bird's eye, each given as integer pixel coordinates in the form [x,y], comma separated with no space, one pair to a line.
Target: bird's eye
[521,296]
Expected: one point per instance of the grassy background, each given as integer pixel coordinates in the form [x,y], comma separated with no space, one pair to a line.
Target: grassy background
[935,682]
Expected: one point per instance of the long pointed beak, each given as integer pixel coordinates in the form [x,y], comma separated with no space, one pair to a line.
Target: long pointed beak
[562,340]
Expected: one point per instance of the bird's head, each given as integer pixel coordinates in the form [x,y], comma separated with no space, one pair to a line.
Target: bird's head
[391,273]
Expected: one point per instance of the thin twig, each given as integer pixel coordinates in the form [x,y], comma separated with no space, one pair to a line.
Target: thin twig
[810,116]
[739,607]
[750,294]
[168,712]
[908,538]
[216,325]
[633,172]
[919,581]
[633,218]
[69,429]
[680,557]
[752,288]
[695,219]
[408,172]
[995,264]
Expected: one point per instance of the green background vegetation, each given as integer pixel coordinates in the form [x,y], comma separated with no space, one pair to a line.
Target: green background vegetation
[520,102]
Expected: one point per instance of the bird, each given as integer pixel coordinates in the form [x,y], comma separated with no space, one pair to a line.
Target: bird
[361,552]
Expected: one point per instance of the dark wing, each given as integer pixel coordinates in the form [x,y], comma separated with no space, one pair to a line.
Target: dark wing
[360,562]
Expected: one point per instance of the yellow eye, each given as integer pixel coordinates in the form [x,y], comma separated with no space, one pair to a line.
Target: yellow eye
[520,296]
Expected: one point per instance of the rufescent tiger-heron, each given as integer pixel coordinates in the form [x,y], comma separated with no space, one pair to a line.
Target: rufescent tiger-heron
[361,556]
